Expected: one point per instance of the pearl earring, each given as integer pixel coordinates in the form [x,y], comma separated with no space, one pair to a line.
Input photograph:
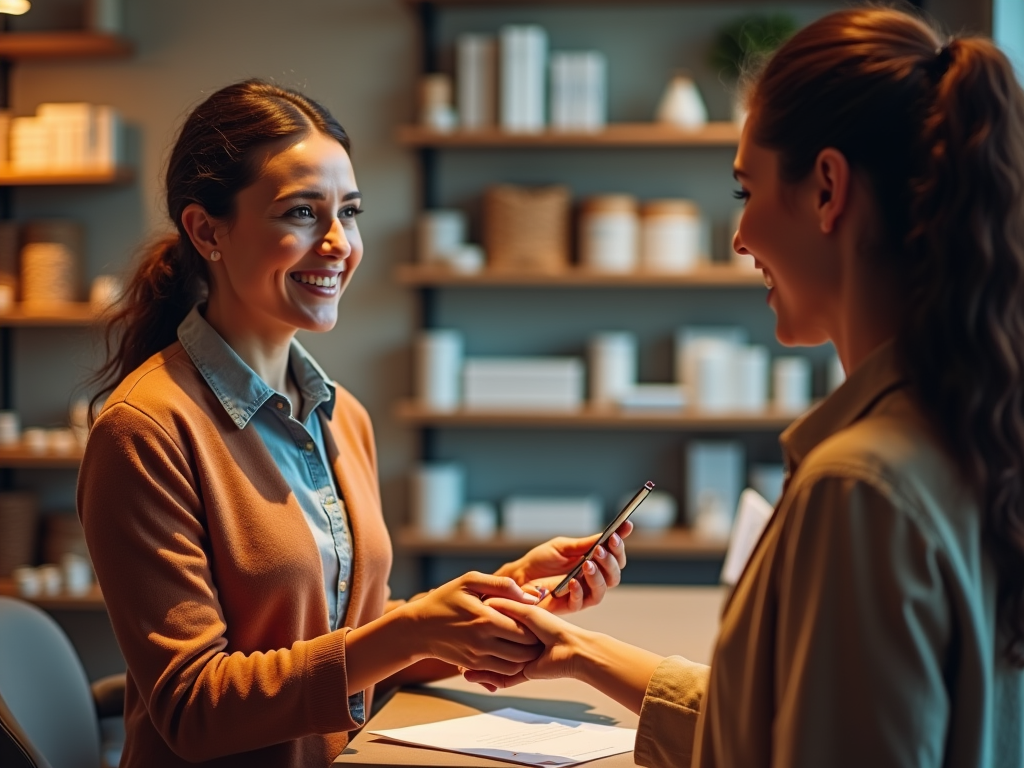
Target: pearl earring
[214,255]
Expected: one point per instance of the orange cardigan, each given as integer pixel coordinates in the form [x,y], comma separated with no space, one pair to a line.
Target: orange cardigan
[212,580]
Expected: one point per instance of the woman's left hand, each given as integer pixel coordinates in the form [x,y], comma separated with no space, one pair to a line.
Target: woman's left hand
[544,566]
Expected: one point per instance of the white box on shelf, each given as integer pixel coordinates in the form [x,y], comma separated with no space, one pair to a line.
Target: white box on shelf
[714,478]
[578,91]
[656,397]
[688,339]
[476,80]
[523,383]
[529,516]
[523,69]
[439,368]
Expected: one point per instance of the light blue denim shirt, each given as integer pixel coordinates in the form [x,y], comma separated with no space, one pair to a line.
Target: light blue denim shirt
[295,442]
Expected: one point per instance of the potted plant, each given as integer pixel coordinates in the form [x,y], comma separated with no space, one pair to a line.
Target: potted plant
[744,44]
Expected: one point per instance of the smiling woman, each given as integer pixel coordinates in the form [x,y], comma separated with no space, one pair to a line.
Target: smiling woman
[229,488]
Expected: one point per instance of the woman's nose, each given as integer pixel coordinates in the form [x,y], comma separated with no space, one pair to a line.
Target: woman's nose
[335,243]
[737,244]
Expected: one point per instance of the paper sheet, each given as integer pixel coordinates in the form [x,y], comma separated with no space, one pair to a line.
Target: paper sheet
[752,515]
[519,737]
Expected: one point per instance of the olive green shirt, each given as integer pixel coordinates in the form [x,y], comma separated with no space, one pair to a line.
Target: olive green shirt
[863,631]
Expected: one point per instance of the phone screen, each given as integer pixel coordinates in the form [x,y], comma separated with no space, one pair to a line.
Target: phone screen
[605,535]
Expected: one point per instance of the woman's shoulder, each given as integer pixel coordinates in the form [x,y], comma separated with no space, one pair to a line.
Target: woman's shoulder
[167,385]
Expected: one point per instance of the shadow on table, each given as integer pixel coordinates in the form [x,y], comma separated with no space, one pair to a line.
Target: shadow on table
[488,702]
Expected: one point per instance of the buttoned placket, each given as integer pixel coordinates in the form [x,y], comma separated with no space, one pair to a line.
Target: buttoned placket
[322,481]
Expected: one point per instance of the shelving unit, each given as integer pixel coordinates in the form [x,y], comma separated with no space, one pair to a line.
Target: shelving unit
[22,458]
[634,135]
[500,313]
[90,601]
[708,276]
[49,46]
[116,176]
[56,316]
[413,414]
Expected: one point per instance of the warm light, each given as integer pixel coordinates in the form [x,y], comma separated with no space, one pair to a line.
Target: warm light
[14,7]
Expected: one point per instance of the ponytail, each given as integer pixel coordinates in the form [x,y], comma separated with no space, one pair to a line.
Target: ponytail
[212,161]
[964,332]
[938,129]
[170,279]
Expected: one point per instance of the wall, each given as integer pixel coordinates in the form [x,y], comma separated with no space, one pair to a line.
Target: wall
[358,56]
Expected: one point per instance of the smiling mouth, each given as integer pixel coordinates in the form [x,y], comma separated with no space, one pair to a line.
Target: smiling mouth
[320,281]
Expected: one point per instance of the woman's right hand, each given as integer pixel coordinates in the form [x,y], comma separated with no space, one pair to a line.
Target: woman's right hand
[454,624]
[562,643]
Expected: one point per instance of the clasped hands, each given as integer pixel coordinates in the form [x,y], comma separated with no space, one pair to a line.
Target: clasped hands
[485,633]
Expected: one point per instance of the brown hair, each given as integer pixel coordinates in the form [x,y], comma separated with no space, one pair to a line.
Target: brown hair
[937,126]
[211,162]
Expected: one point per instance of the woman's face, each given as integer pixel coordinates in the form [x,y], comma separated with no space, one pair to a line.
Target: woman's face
[292,246]
[781,229]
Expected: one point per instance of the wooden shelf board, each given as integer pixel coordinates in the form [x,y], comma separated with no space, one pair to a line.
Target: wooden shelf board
[22,458]
[710,276]
[116,176]
[40,46]
[673,544]
[90,601]
[412,413]
[499,3]
[55,316]
[721,134]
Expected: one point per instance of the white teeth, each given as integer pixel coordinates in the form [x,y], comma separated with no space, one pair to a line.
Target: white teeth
[318,280]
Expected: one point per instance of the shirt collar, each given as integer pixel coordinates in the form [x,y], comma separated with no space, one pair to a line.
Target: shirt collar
[238,387]
[872,380]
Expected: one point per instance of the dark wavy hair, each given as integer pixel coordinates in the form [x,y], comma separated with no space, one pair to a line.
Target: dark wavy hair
[937,126]
[212,161]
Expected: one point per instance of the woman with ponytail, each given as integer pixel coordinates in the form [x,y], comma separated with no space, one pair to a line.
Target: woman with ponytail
[229,488]
[880,619]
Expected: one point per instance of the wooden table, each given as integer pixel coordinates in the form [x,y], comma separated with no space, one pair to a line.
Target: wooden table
[667,620]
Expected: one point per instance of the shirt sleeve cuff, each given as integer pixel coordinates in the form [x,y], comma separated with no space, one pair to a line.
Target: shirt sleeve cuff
[668,717]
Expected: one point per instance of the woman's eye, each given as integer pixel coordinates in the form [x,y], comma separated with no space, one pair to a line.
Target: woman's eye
[301,212]
[741,194]
[350,212]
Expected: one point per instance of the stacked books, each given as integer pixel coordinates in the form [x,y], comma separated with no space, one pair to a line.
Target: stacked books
[578,91]
[71,137]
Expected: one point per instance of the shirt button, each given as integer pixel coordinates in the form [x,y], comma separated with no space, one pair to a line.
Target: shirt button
[342,586]
[329,499]
[280,405]
[309,447]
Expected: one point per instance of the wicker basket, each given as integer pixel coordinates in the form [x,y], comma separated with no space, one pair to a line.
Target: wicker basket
[18,527]
[527,229]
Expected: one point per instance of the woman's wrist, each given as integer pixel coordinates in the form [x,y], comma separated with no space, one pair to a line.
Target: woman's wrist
[383,647]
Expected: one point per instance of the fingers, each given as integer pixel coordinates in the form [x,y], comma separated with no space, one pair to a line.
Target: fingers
[597,580]
[487,585]
[617,546]
[608,565]
[542,624]
[492,681]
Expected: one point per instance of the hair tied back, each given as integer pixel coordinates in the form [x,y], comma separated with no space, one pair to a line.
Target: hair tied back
[943,58]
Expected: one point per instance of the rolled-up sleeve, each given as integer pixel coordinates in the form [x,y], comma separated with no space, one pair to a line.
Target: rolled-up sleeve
[668,717]
[863,631]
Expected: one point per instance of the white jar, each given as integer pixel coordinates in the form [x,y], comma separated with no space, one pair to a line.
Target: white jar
[613,367]
[791,377]
[670,236]
[440,234]
[437,495]
[439,369]
[609,234]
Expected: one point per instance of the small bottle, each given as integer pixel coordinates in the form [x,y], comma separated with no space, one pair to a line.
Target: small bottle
[609,234]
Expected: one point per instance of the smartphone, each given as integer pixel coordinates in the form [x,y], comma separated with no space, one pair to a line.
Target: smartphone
[606,534]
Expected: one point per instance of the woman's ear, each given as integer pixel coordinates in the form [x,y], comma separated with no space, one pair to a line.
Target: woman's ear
[203,230]
[832,185]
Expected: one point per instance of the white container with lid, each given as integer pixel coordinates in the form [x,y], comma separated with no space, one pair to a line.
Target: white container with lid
[670,236]
[613,366]
[609,234]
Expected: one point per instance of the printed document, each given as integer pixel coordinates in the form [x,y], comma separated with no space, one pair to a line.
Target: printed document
[519,737]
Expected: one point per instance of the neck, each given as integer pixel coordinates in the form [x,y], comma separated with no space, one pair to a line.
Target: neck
[266,353]
[869,313]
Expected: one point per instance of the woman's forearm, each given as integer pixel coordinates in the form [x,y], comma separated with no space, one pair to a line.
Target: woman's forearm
[619,670]
[426,671]
[380,649]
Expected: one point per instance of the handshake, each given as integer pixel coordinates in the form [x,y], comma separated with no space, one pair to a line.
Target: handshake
[500,629]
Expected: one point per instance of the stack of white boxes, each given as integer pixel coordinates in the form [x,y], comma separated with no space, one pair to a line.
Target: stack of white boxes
[505,81]
[62,138]
[523,383]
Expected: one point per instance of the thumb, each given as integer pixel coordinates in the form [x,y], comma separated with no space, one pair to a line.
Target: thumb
[487,585]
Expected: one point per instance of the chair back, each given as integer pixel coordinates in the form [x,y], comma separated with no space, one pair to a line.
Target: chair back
[44,688]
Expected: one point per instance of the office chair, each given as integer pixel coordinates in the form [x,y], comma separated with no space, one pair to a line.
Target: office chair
[49,714]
